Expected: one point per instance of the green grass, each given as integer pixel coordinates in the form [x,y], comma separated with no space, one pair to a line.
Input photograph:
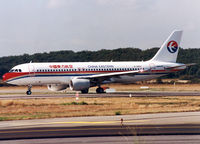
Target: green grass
[3,118]
[162,103]
[81,103]
[118,113]
[23,116]
[75,103]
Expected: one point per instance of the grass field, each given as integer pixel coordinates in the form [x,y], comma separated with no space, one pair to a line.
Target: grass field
[69,107]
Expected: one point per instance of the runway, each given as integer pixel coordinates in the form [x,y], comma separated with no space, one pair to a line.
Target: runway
[110,128]
[97,131]
[160,139]
[94,95]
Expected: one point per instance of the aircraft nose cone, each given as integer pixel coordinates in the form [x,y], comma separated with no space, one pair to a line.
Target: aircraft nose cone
[5,77]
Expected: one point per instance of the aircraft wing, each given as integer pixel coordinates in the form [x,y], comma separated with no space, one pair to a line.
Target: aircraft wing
[106,76]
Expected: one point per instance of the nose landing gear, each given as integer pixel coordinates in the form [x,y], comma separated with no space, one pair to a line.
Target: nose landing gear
[28,92]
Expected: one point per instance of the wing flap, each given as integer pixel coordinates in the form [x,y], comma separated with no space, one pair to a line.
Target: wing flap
[112,74]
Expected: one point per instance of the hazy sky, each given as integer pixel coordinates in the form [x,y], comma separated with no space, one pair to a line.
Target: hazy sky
[31,26]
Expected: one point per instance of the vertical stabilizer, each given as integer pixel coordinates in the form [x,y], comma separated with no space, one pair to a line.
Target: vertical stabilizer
[169,50]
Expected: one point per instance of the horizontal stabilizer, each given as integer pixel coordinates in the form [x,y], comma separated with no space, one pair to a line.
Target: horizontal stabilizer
[184,65]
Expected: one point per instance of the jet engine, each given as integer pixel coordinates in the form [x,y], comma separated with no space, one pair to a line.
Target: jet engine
[57,87]
[79,84]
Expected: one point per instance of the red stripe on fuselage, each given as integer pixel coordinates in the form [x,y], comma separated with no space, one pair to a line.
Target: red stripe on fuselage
[8,76]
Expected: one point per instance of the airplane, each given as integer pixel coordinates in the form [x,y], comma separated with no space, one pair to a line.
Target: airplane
[80,76]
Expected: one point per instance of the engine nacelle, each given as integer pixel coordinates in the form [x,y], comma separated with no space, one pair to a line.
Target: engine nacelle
[57,87]
[79,84]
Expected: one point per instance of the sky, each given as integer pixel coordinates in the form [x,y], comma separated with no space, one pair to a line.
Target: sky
[36,26]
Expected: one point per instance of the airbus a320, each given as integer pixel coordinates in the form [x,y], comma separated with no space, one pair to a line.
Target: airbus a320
[80,76]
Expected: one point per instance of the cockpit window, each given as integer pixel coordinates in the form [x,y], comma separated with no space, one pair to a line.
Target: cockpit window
[12,70]
[15,70]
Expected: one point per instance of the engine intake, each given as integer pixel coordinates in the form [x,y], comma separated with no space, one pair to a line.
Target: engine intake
[79,84]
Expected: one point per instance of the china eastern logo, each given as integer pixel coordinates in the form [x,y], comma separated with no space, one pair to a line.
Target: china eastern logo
[172,46]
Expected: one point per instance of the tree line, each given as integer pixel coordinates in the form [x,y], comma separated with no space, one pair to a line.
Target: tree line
[191,55]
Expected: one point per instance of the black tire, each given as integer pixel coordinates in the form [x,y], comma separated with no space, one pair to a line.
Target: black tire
[29,92]
[100,90]
[85,91]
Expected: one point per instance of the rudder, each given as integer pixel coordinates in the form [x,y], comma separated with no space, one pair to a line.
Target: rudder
[169,50]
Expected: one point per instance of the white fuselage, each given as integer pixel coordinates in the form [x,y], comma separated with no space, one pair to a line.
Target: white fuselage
[63,72]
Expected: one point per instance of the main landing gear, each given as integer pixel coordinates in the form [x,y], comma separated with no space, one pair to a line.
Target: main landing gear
[85,91]
[100,90]
[28,92]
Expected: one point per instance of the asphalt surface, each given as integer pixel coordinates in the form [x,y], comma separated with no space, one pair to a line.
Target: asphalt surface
[96,131]
[150,128]
[160,139]
[93,95]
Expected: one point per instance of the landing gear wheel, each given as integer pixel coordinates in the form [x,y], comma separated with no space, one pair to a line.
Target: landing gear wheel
[85,91]
[28,92]
[100,90]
